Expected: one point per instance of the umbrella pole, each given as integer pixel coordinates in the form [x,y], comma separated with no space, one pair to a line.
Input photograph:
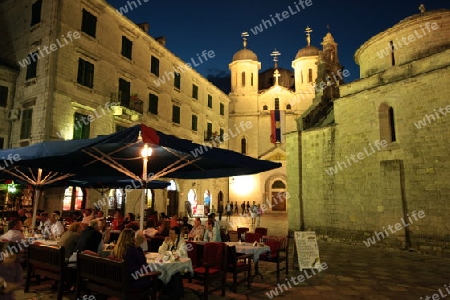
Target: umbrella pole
[144,183]
[37,195]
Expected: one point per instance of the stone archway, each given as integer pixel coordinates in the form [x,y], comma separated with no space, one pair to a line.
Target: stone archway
[172,198]
[278,195]
[275,188]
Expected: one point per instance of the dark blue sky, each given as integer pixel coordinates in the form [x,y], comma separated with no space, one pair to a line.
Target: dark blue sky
[193,26]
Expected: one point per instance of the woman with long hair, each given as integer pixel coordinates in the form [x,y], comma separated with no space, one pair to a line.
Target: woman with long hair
[135,258]
[126,239]
[104,230]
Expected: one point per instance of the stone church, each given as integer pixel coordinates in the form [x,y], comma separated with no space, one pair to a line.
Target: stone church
[271,101]
[368,162]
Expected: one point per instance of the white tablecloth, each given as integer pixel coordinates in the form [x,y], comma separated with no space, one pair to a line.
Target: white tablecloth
[47,242]
[248,248]
[167,268]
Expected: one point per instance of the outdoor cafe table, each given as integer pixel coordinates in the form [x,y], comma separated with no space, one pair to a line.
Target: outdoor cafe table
[248,248]
[168,268]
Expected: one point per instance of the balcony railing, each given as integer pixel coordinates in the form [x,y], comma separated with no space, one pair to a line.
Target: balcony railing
[132,102]
[213,137]
[135,104]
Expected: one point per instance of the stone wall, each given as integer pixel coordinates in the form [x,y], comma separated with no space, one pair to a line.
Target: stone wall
[395,193]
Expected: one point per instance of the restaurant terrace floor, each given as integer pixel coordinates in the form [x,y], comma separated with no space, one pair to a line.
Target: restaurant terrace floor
[353,272]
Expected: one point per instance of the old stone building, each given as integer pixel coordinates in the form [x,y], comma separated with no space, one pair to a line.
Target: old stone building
[270,102]
[369,160]
[77,69]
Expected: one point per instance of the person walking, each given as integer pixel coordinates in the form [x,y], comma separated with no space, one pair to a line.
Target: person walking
[236,208]
[258,215]
[243,207]
[254,212]
[229,210]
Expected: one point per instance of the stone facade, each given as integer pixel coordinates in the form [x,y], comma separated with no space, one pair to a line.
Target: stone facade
[117,52]
[380,171]
[252,103]
[8,76]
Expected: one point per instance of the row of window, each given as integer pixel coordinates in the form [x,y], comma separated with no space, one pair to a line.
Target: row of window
[82,129]
[243,79]
[86,69]
[89,25]
[277,105]
[209,135]
[154,100]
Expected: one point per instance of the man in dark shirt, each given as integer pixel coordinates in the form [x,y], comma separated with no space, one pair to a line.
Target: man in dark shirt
[22,216]
[90,238]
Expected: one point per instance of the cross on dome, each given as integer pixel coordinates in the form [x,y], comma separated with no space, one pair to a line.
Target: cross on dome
[308,31]
[244,36]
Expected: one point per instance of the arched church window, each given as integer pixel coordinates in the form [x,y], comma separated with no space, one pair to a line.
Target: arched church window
[116,198]
[244,145]
[277,104]
[392,124]
[391,43]
[387,123]
[265,107]
[243,79]
[73,198]
[288,106]
[251,79]
[310,75]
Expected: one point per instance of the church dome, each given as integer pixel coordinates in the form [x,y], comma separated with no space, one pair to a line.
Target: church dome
[245,54]
[431,29]
[308,51]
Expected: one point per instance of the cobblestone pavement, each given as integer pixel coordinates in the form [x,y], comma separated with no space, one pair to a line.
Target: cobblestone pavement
[353,272]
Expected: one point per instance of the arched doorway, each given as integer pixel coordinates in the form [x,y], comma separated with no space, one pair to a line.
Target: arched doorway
[172,196]
[278,195]
[191,208]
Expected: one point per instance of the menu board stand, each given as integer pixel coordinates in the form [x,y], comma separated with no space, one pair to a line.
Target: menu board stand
[307,250]
[200,210]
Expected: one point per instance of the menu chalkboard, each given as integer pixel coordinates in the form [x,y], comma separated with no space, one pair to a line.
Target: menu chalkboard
[307,250]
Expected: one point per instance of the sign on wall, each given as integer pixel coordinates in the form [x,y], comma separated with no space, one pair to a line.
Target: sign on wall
[307,250]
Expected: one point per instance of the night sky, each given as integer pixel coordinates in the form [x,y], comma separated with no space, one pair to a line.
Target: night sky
[193,26]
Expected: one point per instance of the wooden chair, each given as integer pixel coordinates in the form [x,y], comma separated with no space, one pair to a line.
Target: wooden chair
[251,237]
[233,236]
[48,261]
[239,263]
[261,230]
[242,230]
[279,251]
[214,267]
[195,255]
[111,277]
[223,235]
